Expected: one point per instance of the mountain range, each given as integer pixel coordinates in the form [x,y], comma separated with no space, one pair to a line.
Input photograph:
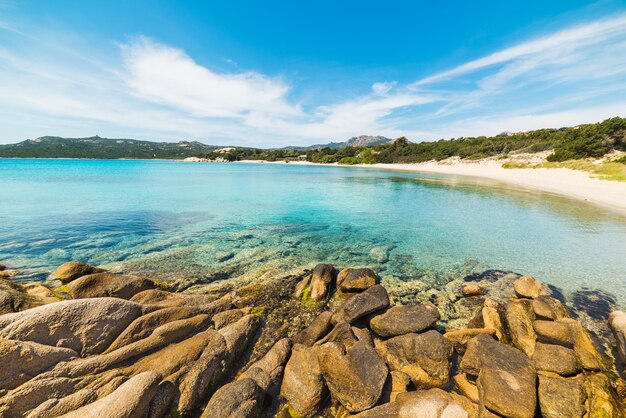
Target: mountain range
[116,148]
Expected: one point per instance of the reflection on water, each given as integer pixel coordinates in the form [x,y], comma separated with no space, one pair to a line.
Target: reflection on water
[213,221]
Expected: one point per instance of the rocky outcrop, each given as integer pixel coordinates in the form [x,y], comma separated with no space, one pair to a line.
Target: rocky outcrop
[22,360]
[85,326]
[211,353]
[131,399]
[15,297]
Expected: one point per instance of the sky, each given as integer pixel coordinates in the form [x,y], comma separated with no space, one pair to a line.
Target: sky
[276,73]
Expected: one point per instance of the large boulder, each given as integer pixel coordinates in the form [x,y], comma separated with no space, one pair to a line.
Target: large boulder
[600,400]
[355,377]
[617,321]
[546,307]
[560,397]
[15,297]
[373,299]
[240,399]
[322,280]
[555,359]
[221,319]
[433,403]
[108,284]
[356,279]
[528,287]
[586,352]
[22,360]
[145,325]
[424,357]
[71,270]
[519,319]
[303,386]
[244,397]
[492,319]
[163,298]
[554,332]
[506,377]
[131,399]
[342,333]
[316,330]
[400,320]
[271,365]
[87,326]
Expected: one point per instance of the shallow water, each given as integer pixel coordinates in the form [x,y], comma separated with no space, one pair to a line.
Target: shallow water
[214,221]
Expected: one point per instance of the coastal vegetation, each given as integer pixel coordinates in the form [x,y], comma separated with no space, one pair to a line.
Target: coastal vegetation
[570,143]
[573,143]
[606,170]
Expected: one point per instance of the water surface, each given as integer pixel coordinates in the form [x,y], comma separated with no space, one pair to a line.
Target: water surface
[214,221]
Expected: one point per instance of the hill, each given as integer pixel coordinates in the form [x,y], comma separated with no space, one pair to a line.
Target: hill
[104,148]
[355,141]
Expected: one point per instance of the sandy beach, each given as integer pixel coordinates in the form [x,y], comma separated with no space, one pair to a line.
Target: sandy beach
[562,181]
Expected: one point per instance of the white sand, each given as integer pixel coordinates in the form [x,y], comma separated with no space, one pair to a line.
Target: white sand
[571,183]
[562,181]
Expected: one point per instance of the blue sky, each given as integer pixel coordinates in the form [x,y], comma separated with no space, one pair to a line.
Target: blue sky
[277,73]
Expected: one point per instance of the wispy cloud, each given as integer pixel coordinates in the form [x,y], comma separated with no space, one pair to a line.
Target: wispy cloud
[145,88]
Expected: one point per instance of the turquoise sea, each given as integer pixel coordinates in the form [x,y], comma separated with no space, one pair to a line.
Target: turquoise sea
[214,221]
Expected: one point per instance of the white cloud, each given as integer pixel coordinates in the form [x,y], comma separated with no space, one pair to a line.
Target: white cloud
[156,91]
[167,76]
[565,40]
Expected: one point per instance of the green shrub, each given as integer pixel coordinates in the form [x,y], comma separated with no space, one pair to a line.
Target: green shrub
[349,160]
[581,147]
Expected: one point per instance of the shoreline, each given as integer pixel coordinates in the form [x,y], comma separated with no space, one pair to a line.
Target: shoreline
[577,185]
[573,184]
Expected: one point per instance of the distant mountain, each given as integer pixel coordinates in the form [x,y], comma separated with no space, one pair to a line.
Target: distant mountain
[116,148]
[356,141]
[105,148]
